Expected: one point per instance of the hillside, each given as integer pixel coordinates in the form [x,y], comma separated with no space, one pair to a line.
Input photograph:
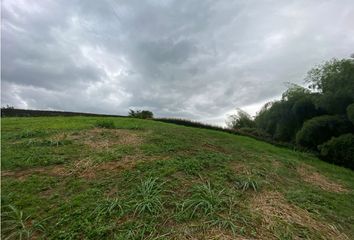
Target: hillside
[82,178]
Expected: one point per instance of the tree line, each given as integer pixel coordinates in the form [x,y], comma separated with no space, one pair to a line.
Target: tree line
[318,117]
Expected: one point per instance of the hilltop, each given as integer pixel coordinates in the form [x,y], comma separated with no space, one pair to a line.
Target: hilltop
[124,178]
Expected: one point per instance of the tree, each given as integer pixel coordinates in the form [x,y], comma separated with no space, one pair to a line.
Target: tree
[334,80]
[240,120]
[282,119]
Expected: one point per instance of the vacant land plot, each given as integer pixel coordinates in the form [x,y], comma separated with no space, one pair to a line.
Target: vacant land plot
[121,178]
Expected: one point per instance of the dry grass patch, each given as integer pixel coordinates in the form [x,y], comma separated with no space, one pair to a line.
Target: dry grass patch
[309,175]
[241,168]
[98,138]
[195,231]
[21,175]
[89,169]
[273,207]
[84,168]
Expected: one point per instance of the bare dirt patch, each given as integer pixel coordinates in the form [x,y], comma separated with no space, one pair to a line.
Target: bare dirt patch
[273,207]
[99,138]
[309,175]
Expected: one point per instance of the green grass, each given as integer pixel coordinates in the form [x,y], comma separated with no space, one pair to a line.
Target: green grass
[81,178]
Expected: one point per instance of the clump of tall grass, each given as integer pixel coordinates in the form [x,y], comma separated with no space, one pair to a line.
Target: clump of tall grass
[247,183]
[15,224]
[223,222]
[147,197]
[105,124]
[108,208]
[204,200]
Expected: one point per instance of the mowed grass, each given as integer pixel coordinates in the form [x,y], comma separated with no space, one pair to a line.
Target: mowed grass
[121,178]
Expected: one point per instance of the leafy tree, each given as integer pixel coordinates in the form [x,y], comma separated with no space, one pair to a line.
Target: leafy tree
[240,120]
[282,119]
[311,116]
[334,80]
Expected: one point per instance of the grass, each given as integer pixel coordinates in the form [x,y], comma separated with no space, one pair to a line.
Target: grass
[247,183]
[67,178]
[105,124]
[147,197]
[203,200]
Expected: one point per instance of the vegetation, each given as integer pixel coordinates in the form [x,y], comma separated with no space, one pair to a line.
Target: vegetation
[350,112]
[308,117]
[144,114]
[320,129]
[240,120]
[104,124]
[146,179]
[339,150]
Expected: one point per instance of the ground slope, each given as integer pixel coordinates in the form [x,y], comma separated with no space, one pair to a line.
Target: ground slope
[68,178]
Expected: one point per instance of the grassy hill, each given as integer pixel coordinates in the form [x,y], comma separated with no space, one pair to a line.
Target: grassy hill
[82,178]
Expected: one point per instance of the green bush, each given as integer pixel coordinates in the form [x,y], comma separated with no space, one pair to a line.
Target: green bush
[104,124]
[320,129]
[339,150]
[350,112]
[256,132]
[144,114]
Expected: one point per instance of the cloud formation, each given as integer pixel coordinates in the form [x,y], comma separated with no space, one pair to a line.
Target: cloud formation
[195,59]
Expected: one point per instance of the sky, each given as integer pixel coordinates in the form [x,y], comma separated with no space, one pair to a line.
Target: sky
[195,59]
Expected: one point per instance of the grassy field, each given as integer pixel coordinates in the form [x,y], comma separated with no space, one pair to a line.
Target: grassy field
[86,178]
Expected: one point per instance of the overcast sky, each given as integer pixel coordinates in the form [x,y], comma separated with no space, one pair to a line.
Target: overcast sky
[194,59]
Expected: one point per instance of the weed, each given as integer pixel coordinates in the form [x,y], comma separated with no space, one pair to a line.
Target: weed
[147,197]
[247,183]
[204,199]
[105,124]
[30,134]
[55,143]
[15,225]
[140,232]
[223,222]
[108,208]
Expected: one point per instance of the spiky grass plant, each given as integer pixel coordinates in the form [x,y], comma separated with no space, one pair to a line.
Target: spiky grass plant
[140,232]
[223,223]
[14,224]
[247,183]
[204,199]
[147,197]
[108,208]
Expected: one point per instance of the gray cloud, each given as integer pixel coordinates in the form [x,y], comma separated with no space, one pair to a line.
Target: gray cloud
[195,59]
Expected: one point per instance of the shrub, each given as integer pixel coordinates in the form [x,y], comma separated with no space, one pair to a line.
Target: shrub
[350,112]
[105,124]
[339,150]
[144,114]
[205,200]
[239,120]
[147,197]
[320,129]
[256,132]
